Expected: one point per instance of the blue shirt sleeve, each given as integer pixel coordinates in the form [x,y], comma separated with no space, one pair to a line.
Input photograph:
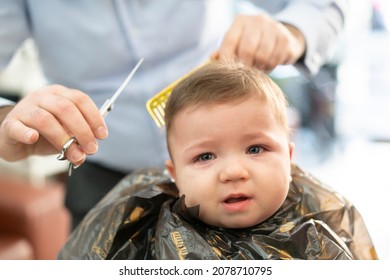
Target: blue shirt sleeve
[14,29]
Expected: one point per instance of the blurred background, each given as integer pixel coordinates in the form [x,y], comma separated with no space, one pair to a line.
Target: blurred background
[343,136]
[341,121]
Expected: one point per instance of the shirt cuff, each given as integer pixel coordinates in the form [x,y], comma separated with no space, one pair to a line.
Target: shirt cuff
[320,27]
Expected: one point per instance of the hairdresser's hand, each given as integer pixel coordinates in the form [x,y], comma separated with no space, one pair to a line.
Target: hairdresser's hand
[262,42]
[45,119]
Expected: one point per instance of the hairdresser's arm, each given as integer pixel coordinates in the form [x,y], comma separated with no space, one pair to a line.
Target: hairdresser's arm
[320,22]
[45,119]
[304,33]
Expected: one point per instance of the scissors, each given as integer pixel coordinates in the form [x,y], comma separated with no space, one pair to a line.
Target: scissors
[104,110]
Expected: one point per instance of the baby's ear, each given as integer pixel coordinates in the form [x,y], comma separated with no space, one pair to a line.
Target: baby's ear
[291,147]
[171,168]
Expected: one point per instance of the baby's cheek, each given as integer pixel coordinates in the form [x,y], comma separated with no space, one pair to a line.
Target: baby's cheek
[190,201]
[193,195]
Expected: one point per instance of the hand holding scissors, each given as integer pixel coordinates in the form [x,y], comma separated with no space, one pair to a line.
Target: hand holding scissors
[104,110]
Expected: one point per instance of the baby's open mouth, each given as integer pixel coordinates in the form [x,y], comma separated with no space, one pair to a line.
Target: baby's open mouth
[237,203]
[235,199]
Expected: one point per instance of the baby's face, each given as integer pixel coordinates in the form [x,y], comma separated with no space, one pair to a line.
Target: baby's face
[231,159]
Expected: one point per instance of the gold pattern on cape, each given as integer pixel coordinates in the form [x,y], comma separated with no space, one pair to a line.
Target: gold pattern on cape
[287,227]
[180,245]
[136,214]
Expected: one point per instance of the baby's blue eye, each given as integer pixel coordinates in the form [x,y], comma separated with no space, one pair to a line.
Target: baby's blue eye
[205,157]
[255,150]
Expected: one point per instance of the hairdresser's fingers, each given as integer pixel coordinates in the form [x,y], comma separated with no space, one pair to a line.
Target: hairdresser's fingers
[290,45]
[231,40]
[261,41]
[53,132]
[44,120]
[66,113]
[15,137]
[19,141]
[72,109]
[88,110]
[268,55]
[279,55]
[250,39]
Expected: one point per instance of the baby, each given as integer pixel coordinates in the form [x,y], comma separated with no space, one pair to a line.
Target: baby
[229,146]
[232,193]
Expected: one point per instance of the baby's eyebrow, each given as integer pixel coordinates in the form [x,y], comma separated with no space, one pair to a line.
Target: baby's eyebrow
[201,144]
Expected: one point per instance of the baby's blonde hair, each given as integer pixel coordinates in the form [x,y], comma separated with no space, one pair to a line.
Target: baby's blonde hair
[225,81]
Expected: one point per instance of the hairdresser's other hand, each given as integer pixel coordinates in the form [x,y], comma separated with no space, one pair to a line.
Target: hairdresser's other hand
[45,119]
[262,42]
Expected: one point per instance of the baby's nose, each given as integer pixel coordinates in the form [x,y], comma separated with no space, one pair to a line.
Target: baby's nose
[233,170]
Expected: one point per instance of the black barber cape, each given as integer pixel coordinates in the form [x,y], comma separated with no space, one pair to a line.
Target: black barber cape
[143,218]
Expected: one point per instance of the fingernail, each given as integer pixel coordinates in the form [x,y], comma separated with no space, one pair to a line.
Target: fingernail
[28,135]
[77,156]
[92,147]
[101,132]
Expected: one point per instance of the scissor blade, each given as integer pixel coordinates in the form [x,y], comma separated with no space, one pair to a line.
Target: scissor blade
[108,104]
